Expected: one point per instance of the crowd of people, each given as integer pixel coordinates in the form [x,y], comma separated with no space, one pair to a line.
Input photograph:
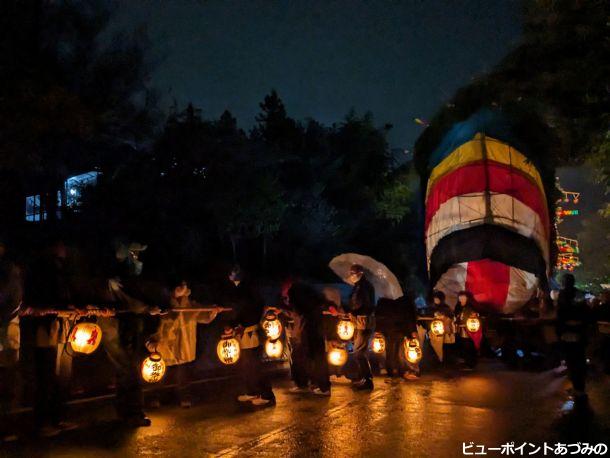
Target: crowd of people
[33,333]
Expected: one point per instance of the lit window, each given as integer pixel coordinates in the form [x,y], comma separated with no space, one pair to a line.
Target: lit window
[75,185]
[32,208]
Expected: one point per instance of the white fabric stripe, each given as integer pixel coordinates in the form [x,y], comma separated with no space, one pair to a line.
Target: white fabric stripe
[465,211]
[452,282]
[522,286]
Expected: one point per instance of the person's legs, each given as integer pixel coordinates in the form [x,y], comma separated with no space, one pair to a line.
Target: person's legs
[319,374]
[183,380]
[49,401]
[254,377]
[361,348]
[393,349]
[8,378]
[577,366]
[125,358]
[298,364]
[469,352]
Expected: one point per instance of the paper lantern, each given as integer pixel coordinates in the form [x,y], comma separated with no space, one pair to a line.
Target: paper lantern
[272,326]
[274,348]
[337,356]
[412,351]
[153,368]
[378,343]
[85,338]
[473,324]
[437,327]
[345,328]
[228,349]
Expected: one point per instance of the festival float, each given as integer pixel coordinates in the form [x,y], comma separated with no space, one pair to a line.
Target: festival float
[487,223]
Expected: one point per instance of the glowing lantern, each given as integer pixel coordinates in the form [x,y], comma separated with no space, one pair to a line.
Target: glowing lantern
[85,338]
[473,324]
[412,351]
[345,328]
[437,327]
[153,368]
[274,348]
[337,356]
[272,326]
[228,349]
[378,343]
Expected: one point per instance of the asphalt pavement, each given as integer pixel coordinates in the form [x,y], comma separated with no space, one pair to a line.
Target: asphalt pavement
[430,417]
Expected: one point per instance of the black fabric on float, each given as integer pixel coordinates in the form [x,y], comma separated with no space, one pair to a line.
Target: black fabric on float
[487,242]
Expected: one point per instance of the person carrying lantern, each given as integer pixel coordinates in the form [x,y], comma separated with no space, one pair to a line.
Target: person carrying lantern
[396,319]
[176,337]
[11,296]
[47,285]
[573,320]
[362,306]
[124,338]
[464,309]
[442,311]
[309,306]
[240,295]
[295,324]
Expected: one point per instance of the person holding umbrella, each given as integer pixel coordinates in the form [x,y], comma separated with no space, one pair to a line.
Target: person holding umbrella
[362,306]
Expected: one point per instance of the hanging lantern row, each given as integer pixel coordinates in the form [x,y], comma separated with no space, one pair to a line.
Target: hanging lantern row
[153,368]
[85,337]
[378,343]
[272,326]
[228,348]
[437,327]
[473,324]
[345,328]
[413,352]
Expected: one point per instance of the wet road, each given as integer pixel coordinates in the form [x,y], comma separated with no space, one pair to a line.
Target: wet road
[428,417]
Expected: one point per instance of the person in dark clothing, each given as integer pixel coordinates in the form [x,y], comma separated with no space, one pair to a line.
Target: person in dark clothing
[362,306]
[439,305]
[47,286]
[124,342]
[239,294]
[603,319]
[573,320]
[11,296]
[294,325]
[441,310]
[396,319]
[309,305]
[463,310]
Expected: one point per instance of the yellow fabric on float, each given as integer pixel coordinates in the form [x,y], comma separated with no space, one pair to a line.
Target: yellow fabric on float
[497,151]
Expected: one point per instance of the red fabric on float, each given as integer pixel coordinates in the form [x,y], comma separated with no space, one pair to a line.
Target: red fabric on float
[488,281]
[472,178]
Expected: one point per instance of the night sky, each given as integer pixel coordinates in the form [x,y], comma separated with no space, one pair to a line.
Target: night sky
[398,59]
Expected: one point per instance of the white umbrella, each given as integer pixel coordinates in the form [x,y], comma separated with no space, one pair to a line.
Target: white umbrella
[383,280]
